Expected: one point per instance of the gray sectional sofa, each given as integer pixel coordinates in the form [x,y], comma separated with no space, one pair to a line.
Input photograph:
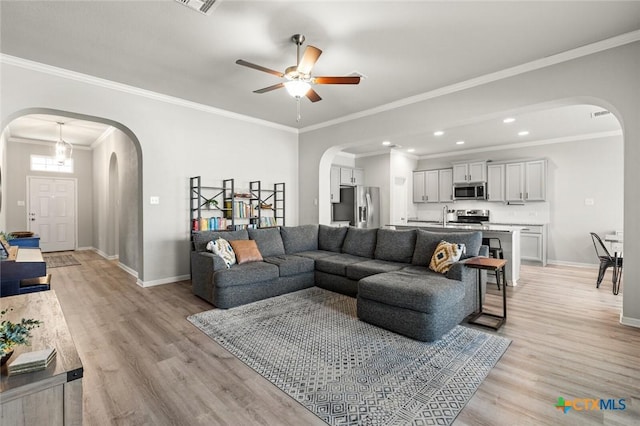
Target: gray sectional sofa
[387,270]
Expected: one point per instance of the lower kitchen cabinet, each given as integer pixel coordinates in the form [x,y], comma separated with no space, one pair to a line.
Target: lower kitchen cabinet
[533,243]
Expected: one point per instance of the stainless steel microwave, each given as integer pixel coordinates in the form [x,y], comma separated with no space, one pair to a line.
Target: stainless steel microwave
[476,191]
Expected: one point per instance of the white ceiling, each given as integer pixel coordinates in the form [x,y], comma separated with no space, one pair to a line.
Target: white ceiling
[404,48]
[45,128]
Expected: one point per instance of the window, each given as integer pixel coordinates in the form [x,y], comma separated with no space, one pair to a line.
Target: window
[43,163]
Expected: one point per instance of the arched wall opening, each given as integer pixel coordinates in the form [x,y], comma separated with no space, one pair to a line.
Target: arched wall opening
[114,229]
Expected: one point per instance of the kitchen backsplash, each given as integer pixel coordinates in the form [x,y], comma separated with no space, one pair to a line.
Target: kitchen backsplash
[529,213]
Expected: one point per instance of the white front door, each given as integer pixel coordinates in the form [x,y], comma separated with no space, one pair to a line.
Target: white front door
[52,212]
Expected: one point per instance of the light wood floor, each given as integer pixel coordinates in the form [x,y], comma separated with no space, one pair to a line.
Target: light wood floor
[146,365]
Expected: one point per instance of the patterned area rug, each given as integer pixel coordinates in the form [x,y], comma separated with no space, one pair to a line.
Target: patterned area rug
[59,260]
[312,346]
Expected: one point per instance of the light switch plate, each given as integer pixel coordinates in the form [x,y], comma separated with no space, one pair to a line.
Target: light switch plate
[589,202]
[154,200]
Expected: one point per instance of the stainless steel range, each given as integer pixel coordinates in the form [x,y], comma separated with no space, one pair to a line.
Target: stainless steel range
[471,216]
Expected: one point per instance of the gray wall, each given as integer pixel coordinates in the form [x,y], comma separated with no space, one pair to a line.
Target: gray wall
[18,168]
[590,168]
[576,81]
[124,203]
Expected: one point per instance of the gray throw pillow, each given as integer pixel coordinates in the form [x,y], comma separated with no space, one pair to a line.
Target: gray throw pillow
[395,245]
[360,242]
[299,238]
[427,241]
[268,240]
[330,238]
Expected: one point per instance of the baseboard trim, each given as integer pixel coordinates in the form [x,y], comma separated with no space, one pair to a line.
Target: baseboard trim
[631,322]
[105,255]
[128,270]
[575,264]
[168,280]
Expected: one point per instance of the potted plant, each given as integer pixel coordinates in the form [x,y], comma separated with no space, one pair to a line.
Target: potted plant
[13,334]
[211,203]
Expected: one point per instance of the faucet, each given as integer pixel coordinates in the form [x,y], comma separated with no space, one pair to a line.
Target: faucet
[445,210]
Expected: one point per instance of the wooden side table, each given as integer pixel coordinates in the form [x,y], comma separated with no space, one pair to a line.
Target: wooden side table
[497,266]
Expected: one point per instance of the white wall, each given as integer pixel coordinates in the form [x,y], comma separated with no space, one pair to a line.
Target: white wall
[176,142]
[578,81]
[3,181]
[402,166]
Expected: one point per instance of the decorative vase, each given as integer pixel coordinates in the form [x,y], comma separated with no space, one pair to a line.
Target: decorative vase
[5,357]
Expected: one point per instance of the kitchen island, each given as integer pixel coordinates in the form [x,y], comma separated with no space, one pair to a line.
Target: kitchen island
[509,236]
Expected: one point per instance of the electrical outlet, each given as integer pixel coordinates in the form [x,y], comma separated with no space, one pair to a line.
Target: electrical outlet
[154,200]
[589,202]
[20,203]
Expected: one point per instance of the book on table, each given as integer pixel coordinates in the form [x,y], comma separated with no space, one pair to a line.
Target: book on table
[32,361]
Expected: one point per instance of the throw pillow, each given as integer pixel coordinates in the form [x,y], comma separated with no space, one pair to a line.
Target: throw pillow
[445,255]
[222,248]
[246,251]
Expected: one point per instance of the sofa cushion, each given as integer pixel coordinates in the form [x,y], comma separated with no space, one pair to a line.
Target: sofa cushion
[359,270]
[269,241]
[360,242]
[445,255]
[289,264]
[246,251]
[330,238]
[337,265]
[299,238]
[316,254]
[427,292]
[202,238]
[427,241]
[247,273]
[395,246]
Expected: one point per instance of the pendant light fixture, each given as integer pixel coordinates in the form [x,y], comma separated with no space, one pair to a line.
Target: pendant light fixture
[63,148]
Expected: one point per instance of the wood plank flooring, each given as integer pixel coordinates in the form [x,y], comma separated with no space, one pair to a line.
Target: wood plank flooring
[146,365]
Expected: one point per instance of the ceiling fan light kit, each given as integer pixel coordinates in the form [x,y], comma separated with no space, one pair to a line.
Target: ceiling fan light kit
[298,77]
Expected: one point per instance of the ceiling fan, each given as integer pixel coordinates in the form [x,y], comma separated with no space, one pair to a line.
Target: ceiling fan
[298,77]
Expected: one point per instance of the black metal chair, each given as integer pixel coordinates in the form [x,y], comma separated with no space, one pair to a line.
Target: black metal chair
[495,251]
[606,260]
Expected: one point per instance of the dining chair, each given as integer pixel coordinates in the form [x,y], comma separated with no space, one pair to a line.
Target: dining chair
[606,260]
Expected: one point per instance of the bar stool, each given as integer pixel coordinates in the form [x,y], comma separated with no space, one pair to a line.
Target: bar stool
[496,252]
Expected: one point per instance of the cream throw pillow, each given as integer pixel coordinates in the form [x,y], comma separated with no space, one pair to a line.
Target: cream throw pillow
[445,255]
[222,248]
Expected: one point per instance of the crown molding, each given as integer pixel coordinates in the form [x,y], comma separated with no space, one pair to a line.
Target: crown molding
[540,142]
[102,137]
[112,85]
[43,142]
[548,61]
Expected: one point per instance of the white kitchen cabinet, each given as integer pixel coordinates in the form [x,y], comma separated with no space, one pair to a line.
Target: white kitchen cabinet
[351,177]
[533,243]
[429,188]
[445,185]
[335,184]
[495,182]
[470,172]
[526,181]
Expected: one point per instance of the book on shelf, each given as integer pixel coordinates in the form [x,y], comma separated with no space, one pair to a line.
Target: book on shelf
[32,361]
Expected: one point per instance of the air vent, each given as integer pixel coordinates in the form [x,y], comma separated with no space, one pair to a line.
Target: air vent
[203,6]
[600,113]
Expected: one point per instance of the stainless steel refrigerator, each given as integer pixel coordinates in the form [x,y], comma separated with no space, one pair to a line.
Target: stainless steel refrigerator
[360,205]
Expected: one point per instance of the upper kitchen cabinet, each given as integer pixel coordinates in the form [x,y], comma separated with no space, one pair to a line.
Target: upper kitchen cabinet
[351,177]
[432,186]
[335,184]
[470,172]
[526,181]
[495,182]
[445,185]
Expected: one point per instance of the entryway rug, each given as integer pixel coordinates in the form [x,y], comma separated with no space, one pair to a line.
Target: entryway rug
[311,345]
[59,260]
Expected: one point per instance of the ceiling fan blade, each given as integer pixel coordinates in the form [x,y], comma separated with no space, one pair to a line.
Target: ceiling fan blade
[259,67]
[313,96]
[270,88]
[309,58]
[336,80]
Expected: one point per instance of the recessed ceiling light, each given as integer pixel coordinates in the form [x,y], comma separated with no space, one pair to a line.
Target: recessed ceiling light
[460,143]
[508,120]
[386,143]
[411,150]
[438,133]
[523,133]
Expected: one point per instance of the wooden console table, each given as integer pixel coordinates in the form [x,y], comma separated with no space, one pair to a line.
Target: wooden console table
[498,266]
[52,396]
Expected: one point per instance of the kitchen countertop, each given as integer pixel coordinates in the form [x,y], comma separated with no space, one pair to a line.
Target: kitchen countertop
[492,227]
